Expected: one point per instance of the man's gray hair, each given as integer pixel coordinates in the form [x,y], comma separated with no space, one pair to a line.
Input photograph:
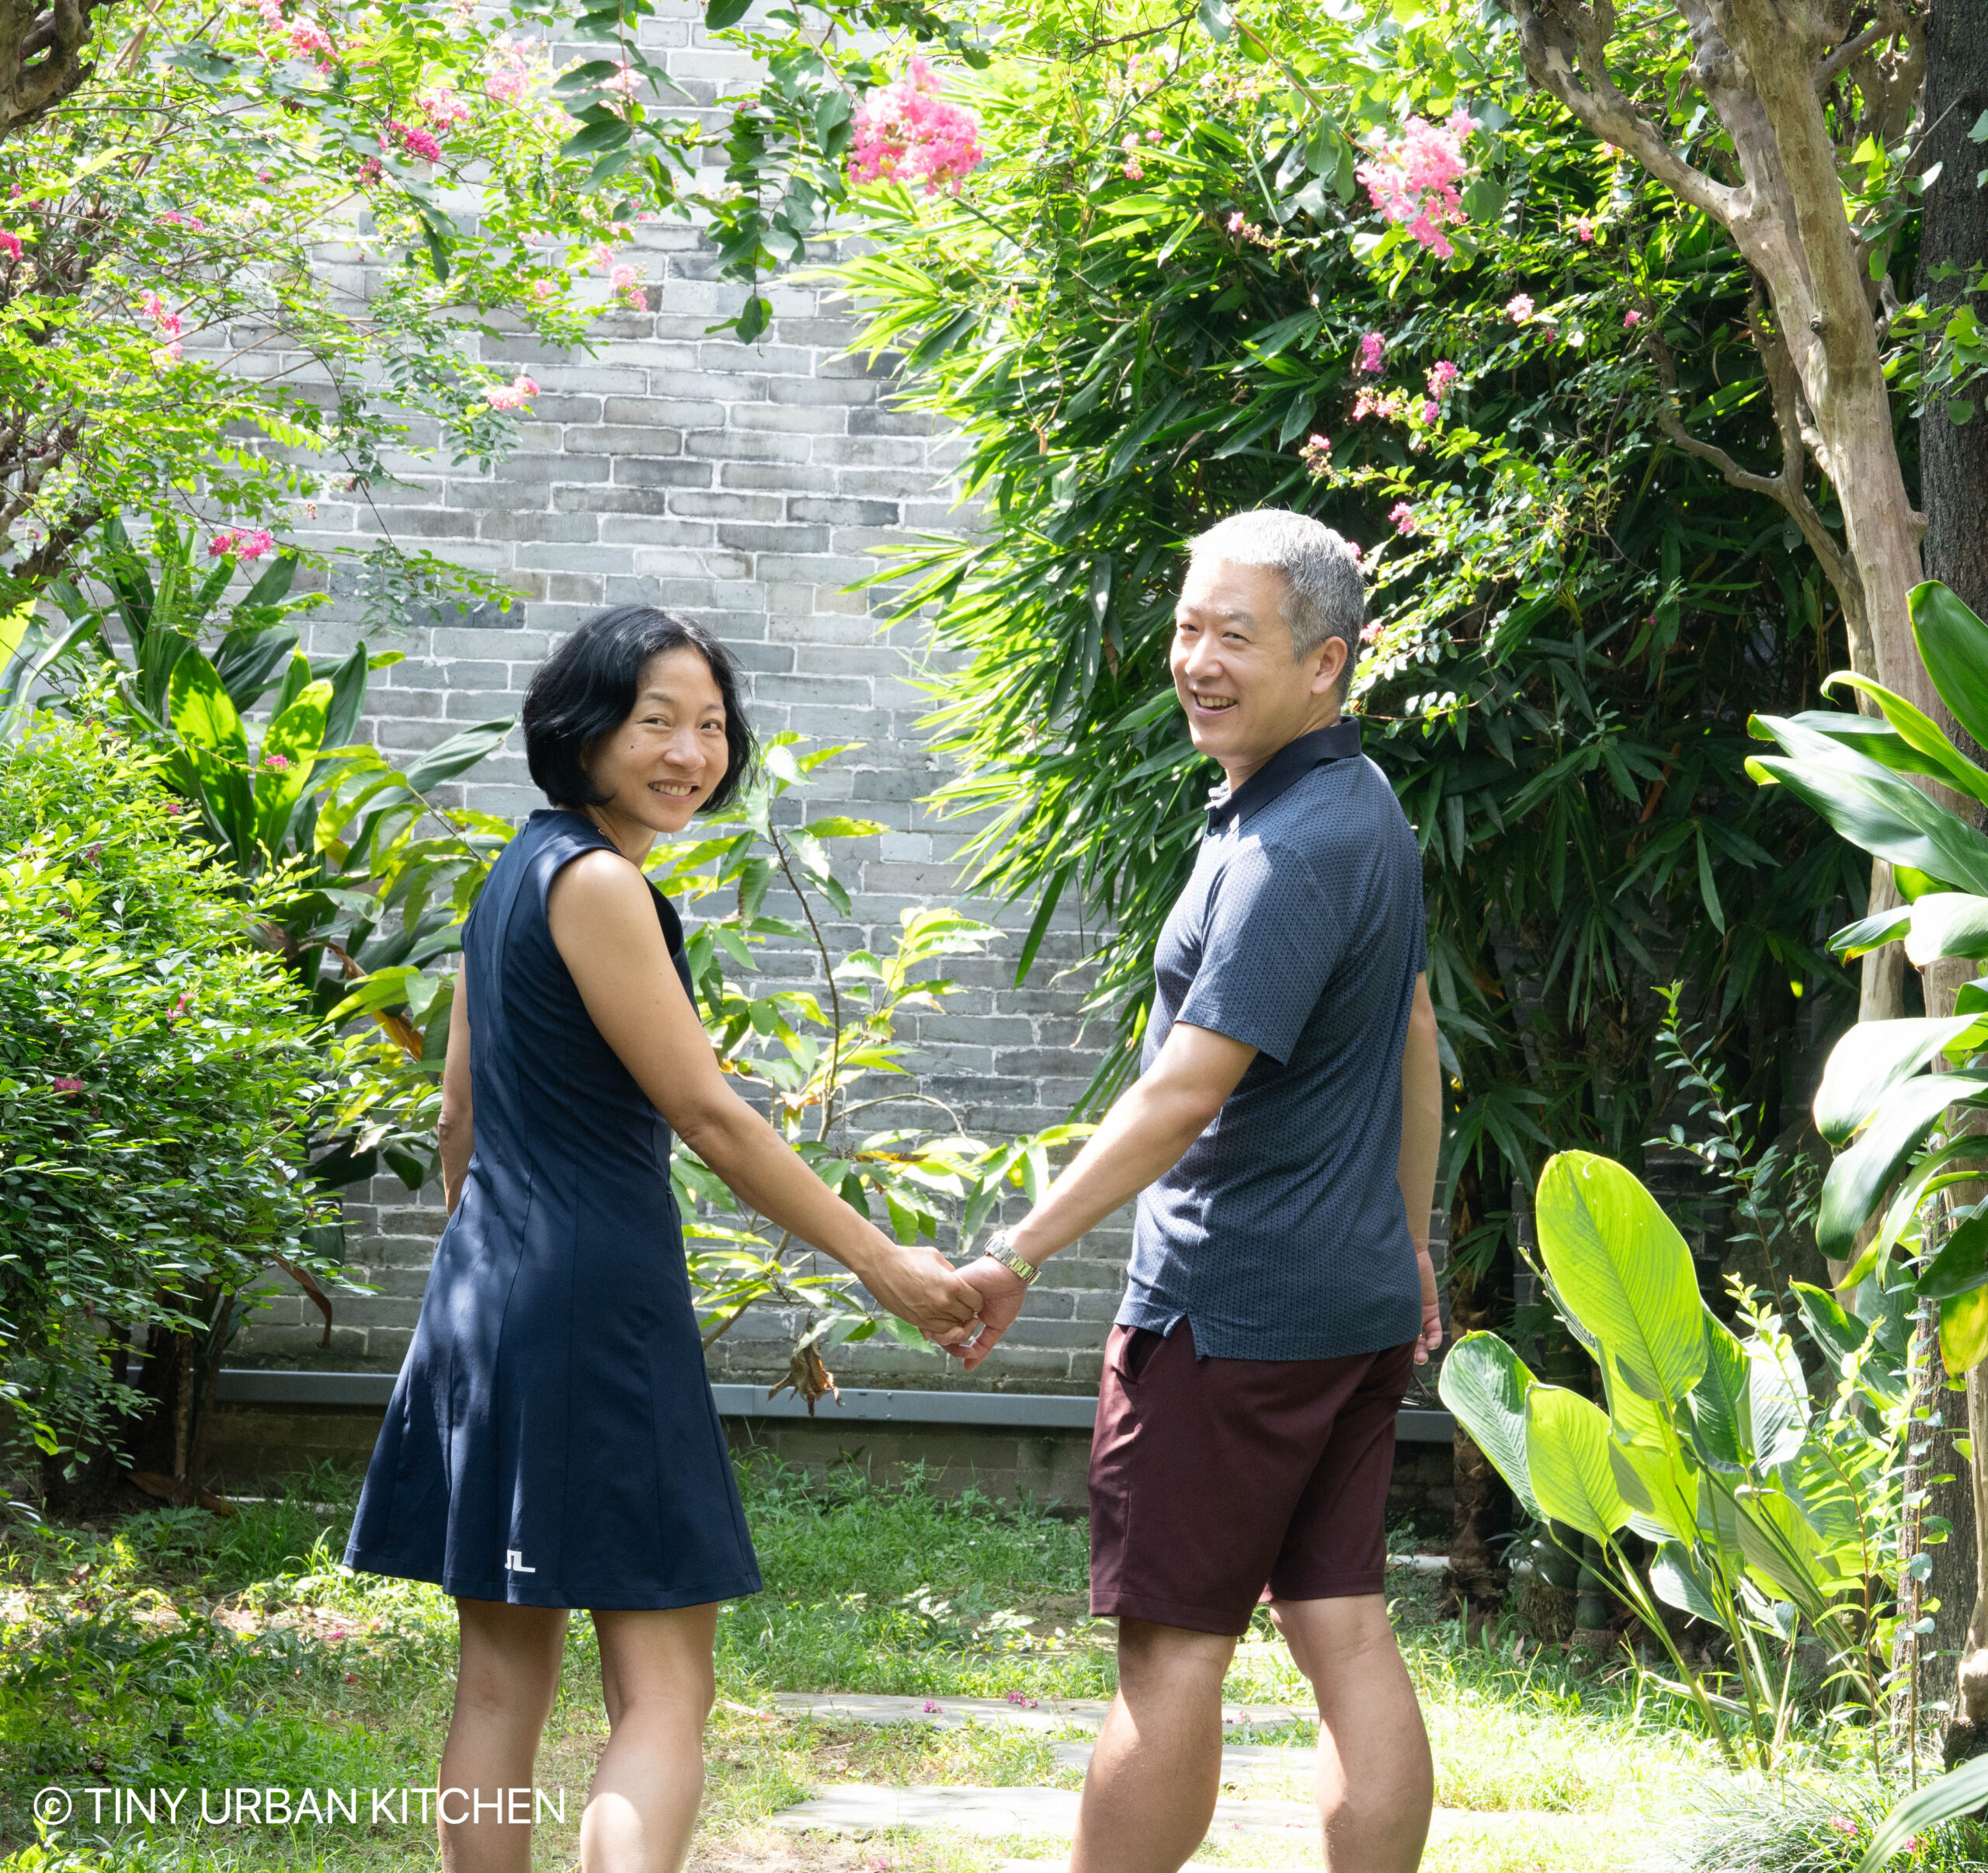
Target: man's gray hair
[1323,596]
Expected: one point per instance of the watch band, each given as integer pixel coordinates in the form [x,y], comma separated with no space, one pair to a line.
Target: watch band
[996,1246]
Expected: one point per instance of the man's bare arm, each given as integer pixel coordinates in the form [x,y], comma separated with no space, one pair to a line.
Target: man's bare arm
[1144,1135]
[1421,1146]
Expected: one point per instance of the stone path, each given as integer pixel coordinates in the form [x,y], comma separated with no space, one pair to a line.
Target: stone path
[859,1808]
[1035,1713]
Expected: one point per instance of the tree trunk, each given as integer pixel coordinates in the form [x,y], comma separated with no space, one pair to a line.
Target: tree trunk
[1954,472]
[1474,1586]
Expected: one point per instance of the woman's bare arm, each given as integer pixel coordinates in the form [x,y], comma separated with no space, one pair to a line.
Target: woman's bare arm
[604,924]
[457,1130]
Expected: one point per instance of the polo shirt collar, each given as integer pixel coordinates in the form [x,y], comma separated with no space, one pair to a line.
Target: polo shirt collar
[1294,760]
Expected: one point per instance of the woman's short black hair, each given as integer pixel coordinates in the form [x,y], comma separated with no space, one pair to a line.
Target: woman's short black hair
[586,690]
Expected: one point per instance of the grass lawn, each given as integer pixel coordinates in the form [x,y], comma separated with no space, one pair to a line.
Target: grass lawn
[183,1650]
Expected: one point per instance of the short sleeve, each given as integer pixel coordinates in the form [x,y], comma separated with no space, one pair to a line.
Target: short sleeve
[1270,940]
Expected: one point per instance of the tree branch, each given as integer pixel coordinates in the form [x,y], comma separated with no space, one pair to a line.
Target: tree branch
[1839,61]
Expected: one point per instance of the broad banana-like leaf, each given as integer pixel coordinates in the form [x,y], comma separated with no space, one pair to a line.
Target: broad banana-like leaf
[1661,1496]
[1833,1329]
[1484,1383]
[1948,923]
[1876,810]
[1962,1264]
[1633,1417]
[1964,1331]
[383,988]
[284,763]
[1567,1452]
[202,711]
[1779,1403]
[1871,932]
[1953,645]
[1679,1583]
[1959,1791]
[1721,1411]
[1874,1057]
[1922,734]
[1779,1545]
[1858,1180]
[1618,1262]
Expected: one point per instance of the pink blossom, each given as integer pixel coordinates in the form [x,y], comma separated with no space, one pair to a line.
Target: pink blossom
[930,1708]
[271,12]
[627,79]
[175,218]
[10,245]
[510,75]
[1236,222]
[513,396]
[1133,172]
[1842,1824]
[71,1087]
[278,762]
[600,254]
[165,356]
[1431,410]
[625,282]
[174,809]
[1442,374]
[1585,228]
[178,1008]
[241,543]
[1518,309]
[369,170]
[1369,632]
[1631,319]
[1130,142]
[1373,352]
[443,109]
[905,133]
[1152,136]
[417,142]
[1402,516]
[542,289]
[309,40]
[1413,180]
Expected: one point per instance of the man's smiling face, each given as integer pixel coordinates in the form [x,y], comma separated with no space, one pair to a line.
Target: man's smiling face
[1245,695]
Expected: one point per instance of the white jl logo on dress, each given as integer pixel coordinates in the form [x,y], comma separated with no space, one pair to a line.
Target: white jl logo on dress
[514,1562]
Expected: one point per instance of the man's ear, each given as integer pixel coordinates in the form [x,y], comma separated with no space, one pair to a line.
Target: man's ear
[1328,664]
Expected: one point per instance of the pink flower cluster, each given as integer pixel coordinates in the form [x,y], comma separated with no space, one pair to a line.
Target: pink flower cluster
[443,109]
[308,40]
[1631,319]
[625,282]
[1317,456]
[275,762]
[1413,180]
[416,142]
[627,79]
[1402,515]
[10,245]
[242,542]
[166,323]
[1519,307]
[71,1087]
[512,396]
[172,218]
[1442,374]
[1393,405]
[1373,353]
[904,132]
[510,75]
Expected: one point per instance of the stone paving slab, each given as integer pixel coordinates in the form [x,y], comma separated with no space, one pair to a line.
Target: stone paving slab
[860,1808]
[1243,1765]
[1036,1714]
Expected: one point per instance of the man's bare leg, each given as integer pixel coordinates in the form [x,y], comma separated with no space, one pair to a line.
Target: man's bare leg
[1376,1781]
[1150,1792]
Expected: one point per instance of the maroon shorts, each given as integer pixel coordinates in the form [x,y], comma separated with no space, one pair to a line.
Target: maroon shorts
[1210,1477]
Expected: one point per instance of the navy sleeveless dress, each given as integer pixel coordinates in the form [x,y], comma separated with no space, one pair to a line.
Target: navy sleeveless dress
[552,1440]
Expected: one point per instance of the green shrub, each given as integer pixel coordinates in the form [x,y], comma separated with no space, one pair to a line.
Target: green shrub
[156,1082]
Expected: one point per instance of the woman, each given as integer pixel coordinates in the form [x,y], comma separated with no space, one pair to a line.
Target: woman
[552,1441]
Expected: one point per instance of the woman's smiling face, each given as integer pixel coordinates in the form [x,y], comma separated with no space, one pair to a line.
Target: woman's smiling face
[666,759]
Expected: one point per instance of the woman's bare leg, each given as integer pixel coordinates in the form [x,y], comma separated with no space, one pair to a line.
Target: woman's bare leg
[656,1678]
[507,1674]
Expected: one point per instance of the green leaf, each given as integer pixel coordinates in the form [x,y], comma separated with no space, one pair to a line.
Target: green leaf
[1858,1180]
[202,709]
[1871,932]
[1618,1263]
[1948,923]
[1964,1331]
[1720,1407]
[595,137]
[1921,733]
[1678,1582]
[1661,1495]
[1953,643]
[1567,1456]
[1962,1264]
[1959,1791]
[292,740]
[459,752]
[719,14]
[383,988]
[1835,1331]
[1484,1383]
[1872,1058]
[1218,19]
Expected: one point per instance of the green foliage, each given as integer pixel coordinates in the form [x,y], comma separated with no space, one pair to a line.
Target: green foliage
[159,1081]
[1765,1512]
[1146,311]
[1898,1098]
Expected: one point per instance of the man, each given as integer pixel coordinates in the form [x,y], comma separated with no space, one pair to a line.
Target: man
[1282,1140]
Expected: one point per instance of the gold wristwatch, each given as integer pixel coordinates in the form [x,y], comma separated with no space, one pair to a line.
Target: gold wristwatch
[996,1246]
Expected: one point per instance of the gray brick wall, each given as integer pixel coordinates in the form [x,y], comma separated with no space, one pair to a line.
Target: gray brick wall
[746,486]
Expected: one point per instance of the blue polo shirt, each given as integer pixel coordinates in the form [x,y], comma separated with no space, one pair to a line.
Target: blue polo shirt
[1280,1233]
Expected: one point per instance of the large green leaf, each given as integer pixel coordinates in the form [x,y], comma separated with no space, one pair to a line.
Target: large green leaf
[1661,1495]
[202,709]
[1876,811]
[1567,1455]
[1618,1262]
[1679,1583]
[1778,1401]
[449,758]
[1953,645]
[1964,1331]
[1872,1058]
[1779,1545]
[1720,1406]
[1484,1383]
[1962,1264]
[1858,1180]
[1922,735]
[283,764]
[1948,923]
[1960,1792]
